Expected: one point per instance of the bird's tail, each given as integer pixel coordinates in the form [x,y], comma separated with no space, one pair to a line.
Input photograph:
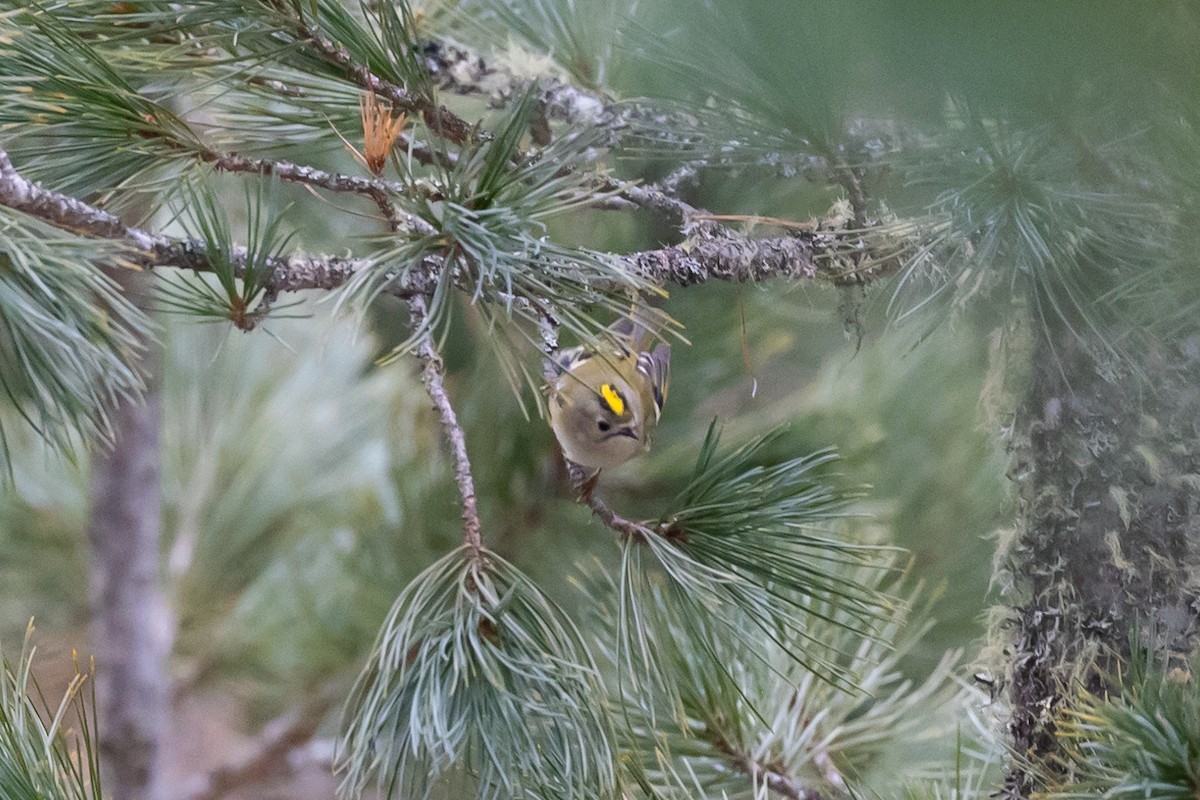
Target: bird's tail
[642,325]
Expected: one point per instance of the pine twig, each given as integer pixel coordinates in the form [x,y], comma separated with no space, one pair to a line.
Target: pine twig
[435,385]
[65,212]
[725,257]
[654,197]
[773,775]
[585,488]
[293,273]
[379,191]
[440,120]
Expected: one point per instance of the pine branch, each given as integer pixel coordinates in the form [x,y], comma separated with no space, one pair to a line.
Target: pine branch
[379,191]
[435,385]
[773,775]
[585,488]
[441,120]
[717,253]
[738,259]
[294,273]
[730,258]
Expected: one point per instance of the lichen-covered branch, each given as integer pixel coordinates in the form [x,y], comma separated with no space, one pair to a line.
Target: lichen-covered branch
[291,273]
[715,253]
[435,385]
[842,259]
[66,212]
[379,191]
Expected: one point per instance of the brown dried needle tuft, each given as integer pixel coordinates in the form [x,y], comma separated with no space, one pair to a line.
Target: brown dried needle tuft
[381,129]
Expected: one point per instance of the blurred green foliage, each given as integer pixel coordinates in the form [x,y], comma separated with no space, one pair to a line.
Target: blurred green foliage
[305,487]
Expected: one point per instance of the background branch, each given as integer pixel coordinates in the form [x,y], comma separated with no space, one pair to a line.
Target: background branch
[268,752]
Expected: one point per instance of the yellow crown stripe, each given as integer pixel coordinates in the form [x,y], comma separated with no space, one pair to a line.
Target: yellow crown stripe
[615,402]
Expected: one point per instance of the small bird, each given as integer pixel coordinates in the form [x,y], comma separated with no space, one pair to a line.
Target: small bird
[605,403]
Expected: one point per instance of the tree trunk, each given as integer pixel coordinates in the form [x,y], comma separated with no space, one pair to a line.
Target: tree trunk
[1108,467]
[132,626]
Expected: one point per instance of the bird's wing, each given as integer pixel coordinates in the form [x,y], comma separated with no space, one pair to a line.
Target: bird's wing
[567,360]
[656,366]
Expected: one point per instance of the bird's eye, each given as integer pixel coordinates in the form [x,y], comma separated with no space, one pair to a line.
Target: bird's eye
[604,426]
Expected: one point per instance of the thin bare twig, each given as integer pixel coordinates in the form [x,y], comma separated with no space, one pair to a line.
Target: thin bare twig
[662,197]
[435,385]
[585,486]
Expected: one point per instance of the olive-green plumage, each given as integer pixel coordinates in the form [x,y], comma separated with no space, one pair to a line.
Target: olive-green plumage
[605,403]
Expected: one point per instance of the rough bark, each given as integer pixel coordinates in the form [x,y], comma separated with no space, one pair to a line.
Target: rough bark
[131,623]
[1108,466]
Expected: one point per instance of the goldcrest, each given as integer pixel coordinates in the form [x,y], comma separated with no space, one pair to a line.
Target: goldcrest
[605,403]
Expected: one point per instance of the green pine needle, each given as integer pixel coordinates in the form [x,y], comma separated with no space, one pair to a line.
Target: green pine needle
[63,97]
[749,550]
[1025,217]
[718,693]
[581,37]
[381,36]
[769,524]
[69,339]
[475,669]
[1144,742]
[488,222]
[242,272]
[40,759]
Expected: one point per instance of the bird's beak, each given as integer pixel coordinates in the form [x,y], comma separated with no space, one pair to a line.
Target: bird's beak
[630,432]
